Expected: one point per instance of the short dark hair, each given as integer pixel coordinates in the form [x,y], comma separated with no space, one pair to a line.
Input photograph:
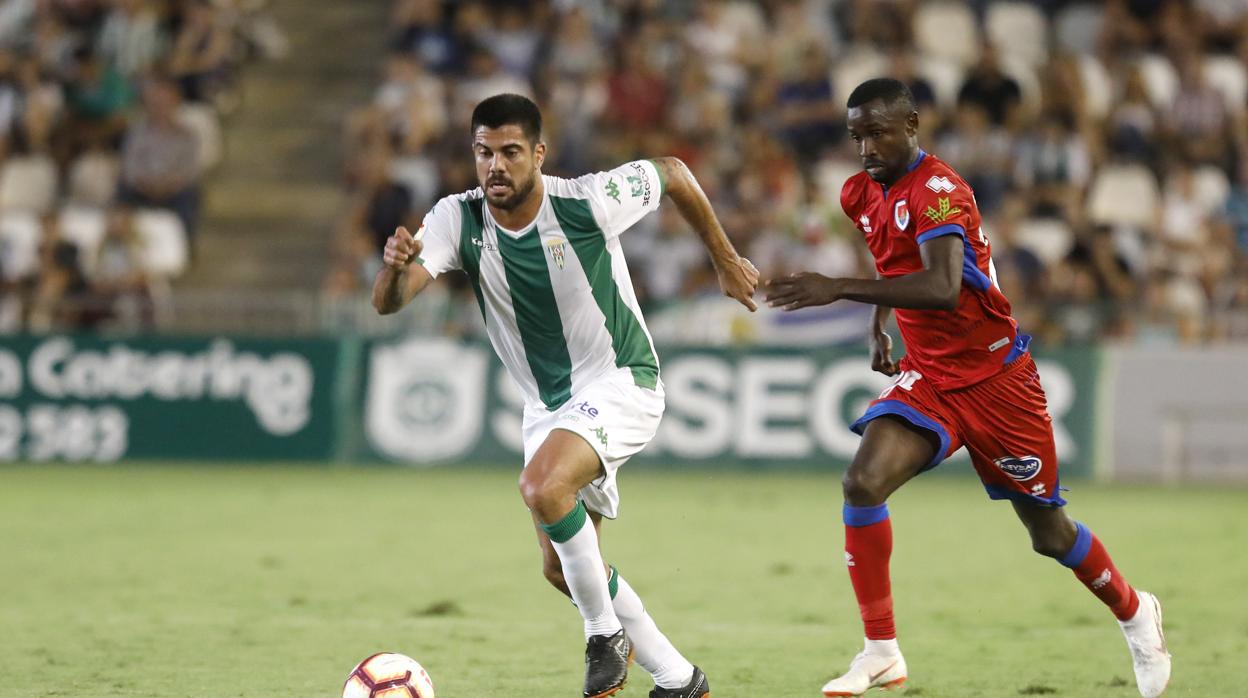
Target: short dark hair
[890,90]
[504,109]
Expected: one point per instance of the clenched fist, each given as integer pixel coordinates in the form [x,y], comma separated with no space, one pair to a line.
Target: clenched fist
[402,248]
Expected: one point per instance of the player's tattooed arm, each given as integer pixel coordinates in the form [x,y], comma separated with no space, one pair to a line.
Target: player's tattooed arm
[936,287]
[737,276]
[398,281]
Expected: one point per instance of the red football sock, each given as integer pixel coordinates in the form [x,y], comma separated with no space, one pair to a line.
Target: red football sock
[868,546]
[1091,564]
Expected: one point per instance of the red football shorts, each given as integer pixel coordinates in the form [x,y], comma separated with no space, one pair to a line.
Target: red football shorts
[1003,422]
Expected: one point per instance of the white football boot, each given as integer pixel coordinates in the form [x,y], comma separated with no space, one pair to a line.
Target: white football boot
[1148,646]
[880,665]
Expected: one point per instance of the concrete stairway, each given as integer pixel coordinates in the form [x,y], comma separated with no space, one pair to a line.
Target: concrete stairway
[270,207]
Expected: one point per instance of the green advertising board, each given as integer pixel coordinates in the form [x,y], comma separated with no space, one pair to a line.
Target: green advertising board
[93,399]
[432,401]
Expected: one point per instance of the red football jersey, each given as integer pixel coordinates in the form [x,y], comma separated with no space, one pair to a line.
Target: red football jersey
[950,348]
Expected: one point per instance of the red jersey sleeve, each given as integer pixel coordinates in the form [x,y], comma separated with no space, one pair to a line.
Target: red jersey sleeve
[943,205]
[851,198]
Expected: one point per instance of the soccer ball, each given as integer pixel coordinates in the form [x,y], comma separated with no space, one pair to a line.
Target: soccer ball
[388,675]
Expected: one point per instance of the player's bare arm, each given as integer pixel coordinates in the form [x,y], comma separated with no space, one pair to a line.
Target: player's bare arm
[882,342]
[935,288]
[737,276]
[398,281]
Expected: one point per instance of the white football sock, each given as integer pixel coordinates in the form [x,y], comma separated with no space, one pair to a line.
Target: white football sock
[655,653]
[583,572]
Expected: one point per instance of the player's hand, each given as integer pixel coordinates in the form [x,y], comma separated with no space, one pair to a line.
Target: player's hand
[401,249]
[802,290]
[882,354]
[739,279]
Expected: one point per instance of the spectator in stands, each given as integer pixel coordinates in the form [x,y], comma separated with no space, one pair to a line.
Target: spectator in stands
[424,32]
[989,88]
[60,297]
[130,40]
[201,55]
[1054,163]
[1133,124]
[1198,122]
[160,161]
[98,98]
[121,282]
[810,119]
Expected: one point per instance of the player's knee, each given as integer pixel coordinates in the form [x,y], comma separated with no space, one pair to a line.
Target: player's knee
[862,489]
[533,490]
[1050,543]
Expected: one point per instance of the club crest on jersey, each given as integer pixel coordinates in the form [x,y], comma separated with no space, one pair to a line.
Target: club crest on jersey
[940,185]
[901,215]
[1020,469]
[556,251]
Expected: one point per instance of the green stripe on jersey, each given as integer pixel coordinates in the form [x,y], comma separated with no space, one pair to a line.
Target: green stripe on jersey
[628,339]
[470,241]
[537,316]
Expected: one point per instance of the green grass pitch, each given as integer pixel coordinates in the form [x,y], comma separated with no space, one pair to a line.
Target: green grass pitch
[273,581]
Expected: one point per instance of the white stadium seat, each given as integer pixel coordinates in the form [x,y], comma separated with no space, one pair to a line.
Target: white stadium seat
[945,75]
[1028,83]
[1098,87]
[1160,79]
[1049,239]
[85,227]
[1212,188]
[859,64]
[1124,194]
[164,241]
[20,233]
[1227,75]
[1018,29]
[93,179]
[947,29]
[1078,27]
[28,183]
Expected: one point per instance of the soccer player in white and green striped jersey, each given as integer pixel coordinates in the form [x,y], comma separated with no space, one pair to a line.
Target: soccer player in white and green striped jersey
[544,259]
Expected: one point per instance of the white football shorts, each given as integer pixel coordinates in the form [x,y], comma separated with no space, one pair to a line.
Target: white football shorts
[616,418]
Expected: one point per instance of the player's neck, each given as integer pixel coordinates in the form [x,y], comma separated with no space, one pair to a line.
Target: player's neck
[912,161]
[522,216]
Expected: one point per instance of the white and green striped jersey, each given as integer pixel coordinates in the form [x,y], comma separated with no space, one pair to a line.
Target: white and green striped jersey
[557,299]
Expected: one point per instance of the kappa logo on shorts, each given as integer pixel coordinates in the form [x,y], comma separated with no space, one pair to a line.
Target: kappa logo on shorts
[601,433]
[1021,469]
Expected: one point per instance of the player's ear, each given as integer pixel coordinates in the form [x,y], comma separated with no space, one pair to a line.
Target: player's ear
[539,154]
[912,123]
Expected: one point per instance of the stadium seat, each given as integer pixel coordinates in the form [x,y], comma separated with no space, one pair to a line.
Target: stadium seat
[20,233]
[1098,87]
[1227,75]
[93,179]
[1049,239]
[84,226]
[28,183]
[1018,29]
[203,121]
[946,77]
[1212,188]
[164,241]
[1028,83]
[947,29]
[1078,27]
[859,64]
[1123,194]
[830,175]
[1160,78]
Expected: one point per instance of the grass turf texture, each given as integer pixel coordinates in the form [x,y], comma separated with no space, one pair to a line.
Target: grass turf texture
[179,581]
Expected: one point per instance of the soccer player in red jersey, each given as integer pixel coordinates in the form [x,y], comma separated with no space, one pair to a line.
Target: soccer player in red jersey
[967,379]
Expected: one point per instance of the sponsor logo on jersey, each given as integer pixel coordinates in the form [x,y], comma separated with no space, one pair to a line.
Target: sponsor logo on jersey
[866,223]
[901,215]
[1021,469]
[556,248]
[483,244]
[639,183]
[613,190]
[940,185]
[943,211]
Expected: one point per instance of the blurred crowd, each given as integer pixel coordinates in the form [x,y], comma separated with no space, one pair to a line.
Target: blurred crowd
[109,118]
[1107,142]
